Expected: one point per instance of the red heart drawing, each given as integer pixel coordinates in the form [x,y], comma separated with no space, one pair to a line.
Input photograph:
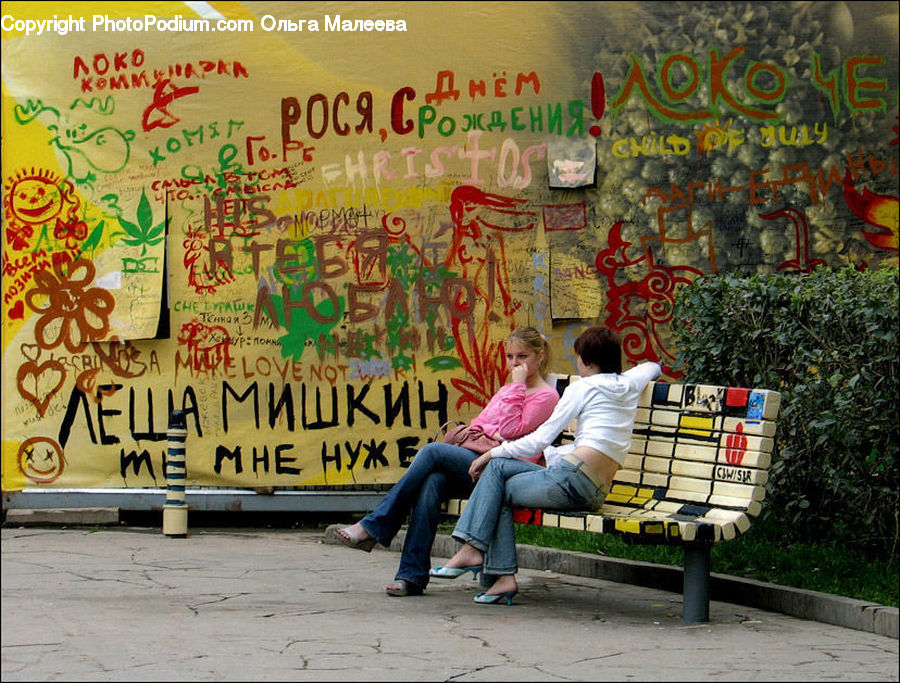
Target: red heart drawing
[47,379]
[17,311]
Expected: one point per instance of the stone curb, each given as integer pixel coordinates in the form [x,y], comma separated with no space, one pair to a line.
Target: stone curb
[63,517]
[804,604]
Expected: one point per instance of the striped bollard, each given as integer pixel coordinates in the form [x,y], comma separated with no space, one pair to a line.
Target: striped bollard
[175,510]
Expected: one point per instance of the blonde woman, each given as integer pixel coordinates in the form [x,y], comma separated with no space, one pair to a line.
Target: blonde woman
[441,471]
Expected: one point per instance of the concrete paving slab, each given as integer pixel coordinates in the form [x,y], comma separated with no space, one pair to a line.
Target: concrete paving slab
[797,602]
[247,604]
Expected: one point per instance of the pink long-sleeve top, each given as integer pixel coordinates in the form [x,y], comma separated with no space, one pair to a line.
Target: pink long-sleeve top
[512,412]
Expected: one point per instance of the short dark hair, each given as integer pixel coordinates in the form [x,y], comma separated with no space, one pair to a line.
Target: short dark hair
[600,346]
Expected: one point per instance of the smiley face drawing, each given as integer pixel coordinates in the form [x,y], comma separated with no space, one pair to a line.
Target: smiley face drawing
[39,198]
[41,459]
[35,199]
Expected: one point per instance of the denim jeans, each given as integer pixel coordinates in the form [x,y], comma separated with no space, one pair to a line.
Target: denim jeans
[487,521]
[438,472]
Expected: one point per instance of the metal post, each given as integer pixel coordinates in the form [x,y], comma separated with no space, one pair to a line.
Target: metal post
[696,583]
[175,510]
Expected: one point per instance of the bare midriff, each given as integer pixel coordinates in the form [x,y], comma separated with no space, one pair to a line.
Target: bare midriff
[601,465]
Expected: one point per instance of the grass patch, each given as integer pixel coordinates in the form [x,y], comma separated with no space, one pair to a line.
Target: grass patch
[759,554]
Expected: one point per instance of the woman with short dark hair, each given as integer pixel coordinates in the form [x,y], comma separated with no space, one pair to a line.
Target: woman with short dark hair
[578,476]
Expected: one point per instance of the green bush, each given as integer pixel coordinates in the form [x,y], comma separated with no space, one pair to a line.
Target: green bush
[827,341]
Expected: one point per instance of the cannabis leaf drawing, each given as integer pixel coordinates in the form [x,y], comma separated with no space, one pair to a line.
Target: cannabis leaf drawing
[143,234]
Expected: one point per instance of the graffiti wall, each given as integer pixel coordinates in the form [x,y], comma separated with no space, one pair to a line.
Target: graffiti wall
[310,226]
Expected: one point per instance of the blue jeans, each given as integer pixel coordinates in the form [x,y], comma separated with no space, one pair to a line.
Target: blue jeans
[438,472]
[487,521]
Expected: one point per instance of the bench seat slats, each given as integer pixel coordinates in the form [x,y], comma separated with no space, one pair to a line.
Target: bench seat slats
[729,520]
[668,523]
[662,530]
[680,498]
[707,487]
[753,507]
[669,506]
[455,506]
[637,494]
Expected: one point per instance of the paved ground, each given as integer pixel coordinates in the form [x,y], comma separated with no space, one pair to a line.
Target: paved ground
[247,604]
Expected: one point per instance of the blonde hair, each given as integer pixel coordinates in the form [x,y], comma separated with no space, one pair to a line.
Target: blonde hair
[534,340]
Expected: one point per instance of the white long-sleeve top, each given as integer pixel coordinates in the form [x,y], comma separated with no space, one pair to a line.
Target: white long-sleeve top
[605,405]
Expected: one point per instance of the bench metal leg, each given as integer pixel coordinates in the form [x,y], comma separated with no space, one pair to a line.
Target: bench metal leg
[696,583]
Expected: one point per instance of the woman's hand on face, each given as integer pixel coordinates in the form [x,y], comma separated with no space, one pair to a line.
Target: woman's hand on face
[478,465]
[519,373]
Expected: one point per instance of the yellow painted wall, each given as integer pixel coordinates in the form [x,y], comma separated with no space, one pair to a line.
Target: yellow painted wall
[311,225]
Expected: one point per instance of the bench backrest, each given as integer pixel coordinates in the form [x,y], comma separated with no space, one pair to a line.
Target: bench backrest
[703,443]
[698,453]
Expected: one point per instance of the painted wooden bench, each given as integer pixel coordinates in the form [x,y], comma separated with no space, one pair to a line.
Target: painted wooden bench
[694,476]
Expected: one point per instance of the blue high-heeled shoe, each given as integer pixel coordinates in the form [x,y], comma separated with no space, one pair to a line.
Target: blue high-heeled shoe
[495,598]
[453,572]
